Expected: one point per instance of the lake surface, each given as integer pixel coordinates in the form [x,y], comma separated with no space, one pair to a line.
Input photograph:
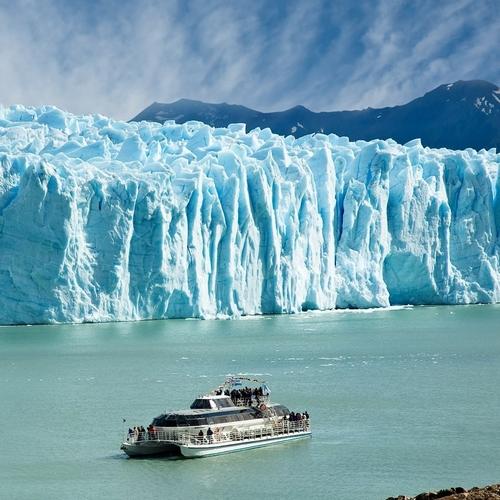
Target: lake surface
[401,401]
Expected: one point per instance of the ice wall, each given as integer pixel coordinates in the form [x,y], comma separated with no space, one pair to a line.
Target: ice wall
[105,220]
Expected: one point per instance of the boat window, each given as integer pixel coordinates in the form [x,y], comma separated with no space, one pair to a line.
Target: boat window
[201,404]
[181,421]
[165,421]
[233,415]
[195,420]
[224,403]
[222,419]
[281,411]
[171,421]
[178,420]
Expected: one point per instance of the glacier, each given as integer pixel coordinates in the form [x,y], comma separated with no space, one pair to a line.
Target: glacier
[103,220]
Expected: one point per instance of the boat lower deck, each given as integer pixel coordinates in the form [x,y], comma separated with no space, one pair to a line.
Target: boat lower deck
[192,445]
[219,448]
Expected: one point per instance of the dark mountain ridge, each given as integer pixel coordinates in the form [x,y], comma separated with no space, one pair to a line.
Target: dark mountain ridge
[457,116]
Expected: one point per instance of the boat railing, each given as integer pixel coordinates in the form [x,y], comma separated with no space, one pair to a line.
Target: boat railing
[155,435]
[281,428]
[265,432]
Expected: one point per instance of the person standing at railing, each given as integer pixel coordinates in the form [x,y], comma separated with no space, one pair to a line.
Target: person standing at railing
[217,434]
[209,435]
[142,433]
[151,432]
[201,436]
[234,396]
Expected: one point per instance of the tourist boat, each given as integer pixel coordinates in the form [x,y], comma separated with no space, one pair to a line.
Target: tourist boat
[231,418]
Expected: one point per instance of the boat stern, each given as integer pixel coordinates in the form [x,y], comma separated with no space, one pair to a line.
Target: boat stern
[149,448]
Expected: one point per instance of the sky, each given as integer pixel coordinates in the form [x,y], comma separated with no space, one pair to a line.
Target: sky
[117,57]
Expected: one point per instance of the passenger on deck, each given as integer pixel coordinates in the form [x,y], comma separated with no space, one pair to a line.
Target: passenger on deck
[151,431]
[200,436]
[233,396]
[209,434]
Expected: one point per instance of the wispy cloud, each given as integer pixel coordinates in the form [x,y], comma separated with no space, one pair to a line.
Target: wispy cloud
[116,57]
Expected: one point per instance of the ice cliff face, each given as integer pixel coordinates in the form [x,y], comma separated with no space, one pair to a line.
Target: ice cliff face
[105,220]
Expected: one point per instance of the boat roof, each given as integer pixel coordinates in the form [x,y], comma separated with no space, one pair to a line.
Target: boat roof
[237,379]
[213,396]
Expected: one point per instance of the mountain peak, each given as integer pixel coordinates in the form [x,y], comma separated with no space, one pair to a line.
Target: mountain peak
[472,84]
[465,88]
[299,107]
[457,115]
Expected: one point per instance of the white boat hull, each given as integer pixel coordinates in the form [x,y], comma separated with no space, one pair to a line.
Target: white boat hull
[206,450]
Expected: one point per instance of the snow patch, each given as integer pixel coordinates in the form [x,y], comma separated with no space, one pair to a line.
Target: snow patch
[483,105]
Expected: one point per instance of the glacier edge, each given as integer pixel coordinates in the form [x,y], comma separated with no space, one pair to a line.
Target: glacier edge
[102,220]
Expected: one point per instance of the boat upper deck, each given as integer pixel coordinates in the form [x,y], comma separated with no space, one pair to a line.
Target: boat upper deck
[218,416]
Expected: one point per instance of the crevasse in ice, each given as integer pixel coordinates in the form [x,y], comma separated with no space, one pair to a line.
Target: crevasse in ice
[106,220]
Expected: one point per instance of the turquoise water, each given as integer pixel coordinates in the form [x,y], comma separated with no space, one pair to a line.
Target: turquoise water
[401,401]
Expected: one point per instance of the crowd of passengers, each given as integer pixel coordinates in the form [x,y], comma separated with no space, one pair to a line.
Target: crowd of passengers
[139,433]
[297,417]
[245,395]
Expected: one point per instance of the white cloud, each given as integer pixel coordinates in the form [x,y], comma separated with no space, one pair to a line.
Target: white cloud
[117,57]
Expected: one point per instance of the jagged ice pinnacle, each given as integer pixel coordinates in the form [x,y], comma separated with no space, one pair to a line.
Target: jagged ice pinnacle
[105,220]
